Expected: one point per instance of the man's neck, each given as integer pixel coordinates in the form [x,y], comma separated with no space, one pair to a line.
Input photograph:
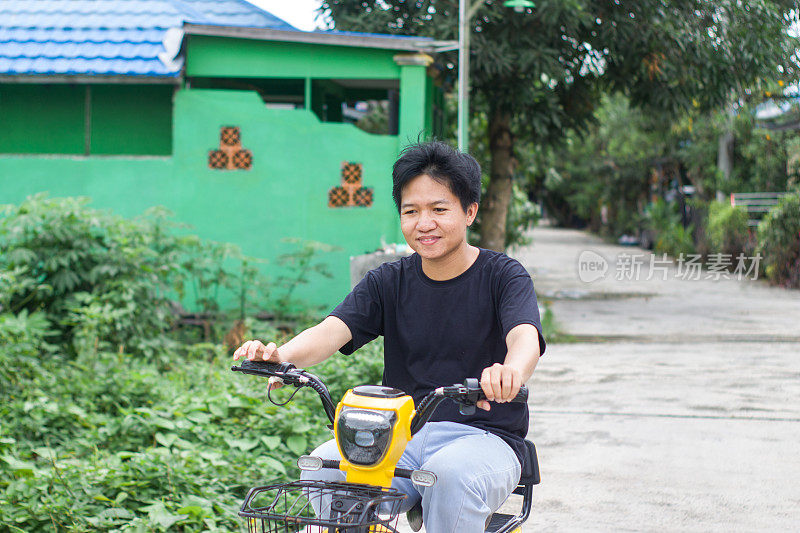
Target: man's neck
[452,265]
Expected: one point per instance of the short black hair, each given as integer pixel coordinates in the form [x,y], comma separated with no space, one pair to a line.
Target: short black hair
[458,170]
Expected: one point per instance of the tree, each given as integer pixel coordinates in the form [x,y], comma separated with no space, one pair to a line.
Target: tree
[541,73]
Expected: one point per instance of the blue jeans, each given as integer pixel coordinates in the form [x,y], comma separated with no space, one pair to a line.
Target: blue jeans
[476,471]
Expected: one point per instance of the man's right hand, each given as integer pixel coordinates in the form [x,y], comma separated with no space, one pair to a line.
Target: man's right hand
[256,351]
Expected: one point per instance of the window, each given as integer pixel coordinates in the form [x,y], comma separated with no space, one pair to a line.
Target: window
[86,119]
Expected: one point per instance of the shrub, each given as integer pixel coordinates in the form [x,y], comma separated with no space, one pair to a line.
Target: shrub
[110,443]
[107,283]
[779,242]
[671,237]
[727,230]
[92,273]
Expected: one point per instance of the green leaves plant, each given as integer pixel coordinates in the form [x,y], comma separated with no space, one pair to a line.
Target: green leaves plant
[110,420]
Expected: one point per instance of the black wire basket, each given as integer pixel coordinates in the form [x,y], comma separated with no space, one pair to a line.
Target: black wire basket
[321,507]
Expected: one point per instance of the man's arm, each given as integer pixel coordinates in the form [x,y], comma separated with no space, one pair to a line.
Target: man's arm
[501,383]
[308,348]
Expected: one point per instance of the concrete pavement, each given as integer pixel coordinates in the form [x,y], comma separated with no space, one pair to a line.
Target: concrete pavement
[679,407]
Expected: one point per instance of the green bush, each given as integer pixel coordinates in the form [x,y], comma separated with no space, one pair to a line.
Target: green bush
[113,443]
[671,237]
[93,439]
[727,231]
[105,282]
[779,242]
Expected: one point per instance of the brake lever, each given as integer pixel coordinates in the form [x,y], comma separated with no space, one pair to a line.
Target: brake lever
[466,395]
[472,394]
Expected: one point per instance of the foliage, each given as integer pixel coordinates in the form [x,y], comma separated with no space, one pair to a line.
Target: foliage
[779,242]
[376,118]
[522,213]
[608,166]
[105,282]
[542,73]
[522,216]
[551,328]
[759,159]
[671,237]
[299,267]
[113,443]
[96,439]
[727,230]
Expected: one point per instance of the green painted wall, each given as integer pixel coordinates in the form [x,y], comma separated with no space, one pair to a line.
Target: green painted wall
[296,157]
[220,56]
[296,160]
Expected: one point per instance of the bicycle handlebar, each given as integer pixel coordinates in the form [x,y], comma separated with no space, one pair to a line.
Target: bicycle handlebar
[467,395]
[290,375]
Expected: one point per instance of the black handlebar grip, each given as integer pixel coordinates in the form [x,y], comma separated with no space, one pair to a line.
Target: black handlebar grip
[263,368]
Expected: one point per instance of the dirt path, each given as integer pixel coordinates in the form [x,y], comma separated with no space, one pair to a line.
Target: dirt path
[678,410]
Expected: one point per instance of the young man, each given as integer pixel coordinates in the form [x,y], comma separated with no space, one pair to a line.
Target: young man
[448,312]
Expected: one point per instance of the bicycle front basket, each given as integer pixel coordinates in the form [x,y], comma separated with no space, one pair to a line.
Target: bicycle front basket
[321,507]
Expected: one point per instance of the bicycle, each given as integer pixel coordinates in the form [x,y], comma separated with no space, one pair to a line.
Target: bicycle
[372,426]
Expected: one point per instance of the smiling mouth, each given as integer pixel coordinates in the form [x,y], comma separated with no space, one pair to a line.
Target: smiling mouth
[428,240]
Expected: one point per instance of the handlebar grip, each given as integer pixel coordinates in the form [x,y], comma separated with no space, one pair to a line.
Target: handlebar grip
[263,368]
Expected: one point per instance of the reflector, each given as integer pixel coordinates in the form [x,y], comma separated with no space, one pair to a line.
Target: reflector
[309,462]
[423,478]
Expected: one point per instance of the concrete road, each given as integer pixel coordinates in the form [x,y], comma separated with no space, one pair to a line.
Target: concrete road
[678,409]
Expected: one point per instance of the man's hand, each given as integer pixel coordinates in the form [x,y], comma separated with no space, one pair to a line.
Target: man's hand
[500,383]
[257,351]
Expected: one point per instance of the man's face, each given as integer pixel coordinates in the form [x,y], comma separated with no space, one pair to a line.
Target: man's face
[432,219]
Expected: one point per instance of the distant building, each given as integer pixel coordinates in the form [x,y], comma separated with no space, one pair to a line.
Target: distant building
[225,114]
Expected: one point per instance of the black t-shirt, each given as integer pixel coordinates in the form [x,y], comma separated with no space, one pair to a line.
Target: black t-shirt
[441,332]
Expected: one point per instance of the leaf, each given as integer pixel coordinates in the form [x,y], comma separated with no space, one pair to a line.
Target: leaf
[45,452]
[242,444]
[184,444]
[275,464]
[20,468]
[193,510]
[116,512]
[163,422]
[199,418]
[101,498]
[271,441]
[159,515]
[297,444]
[166,440]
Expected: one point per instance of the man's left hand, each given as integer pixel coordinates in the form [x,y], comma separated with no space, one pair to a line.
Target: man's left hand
[500,383]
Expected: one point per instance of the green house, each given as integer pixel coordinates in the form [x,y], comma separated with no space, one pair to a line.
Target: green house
[247,129]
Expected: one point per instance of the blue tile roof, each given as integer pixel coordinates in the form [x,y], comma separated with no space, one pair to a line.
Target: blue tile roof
[109,37]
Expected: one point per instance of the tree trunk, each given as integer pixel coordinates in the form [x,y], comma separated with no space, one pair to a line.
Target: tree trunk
[494,208]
